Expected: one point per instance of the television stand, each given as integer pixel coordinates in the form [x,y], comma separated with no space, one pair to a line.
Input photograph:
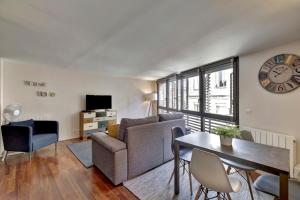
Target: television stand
[96,121]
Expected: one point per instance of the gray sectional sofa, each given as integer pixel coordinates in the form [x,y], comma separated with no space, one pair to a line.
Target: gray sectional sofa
[142,144]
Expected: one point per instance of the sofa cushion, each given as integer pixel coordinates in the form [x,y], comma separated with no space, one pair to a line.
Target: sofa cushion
[170,116]
[126,122]
[42,140]
[29,122]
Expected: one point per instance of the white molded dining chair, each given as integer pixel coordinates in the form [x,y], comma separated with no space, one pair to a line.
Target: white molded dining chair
[208,170]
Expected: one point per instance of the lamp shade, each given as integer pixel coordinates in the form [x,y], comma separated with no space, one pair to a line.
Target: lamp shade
[151,96]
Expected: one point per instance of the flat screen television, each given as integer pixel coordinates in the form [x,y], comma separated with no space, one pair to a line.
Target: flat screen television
[94,102]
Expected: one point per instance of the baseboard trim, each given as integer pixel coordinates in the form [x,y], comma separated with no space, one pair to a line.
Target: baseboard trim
[68,138]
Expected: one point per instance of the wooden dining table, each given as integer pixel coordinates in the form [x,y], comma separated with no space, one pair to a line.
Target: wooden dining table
[270,159]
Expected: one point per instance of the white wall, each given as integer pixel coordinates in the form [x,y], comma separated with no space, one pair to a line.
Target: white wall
[276,112]
[70,87]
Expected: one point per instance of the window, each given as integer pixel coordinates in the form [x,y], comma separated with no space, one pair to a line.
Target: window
[218,98]
[179,94]
[167,94]
[207,95]
[162,111]
[162,94]
[172,93]
[211,124]
[220,79]
[191,92]
[193,121]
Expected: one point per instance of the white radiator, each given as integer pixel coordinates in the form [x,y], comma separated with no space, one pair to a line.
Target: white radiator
[277,140]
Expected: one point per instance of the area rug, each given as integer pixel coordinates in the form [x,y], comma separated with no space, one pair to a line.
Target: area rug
[154,185]
[83,152]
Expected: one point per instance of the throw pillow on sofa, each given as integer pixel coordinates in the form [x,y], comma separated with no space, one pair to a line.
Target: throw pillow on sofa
[170,116]
[113,130]
[126,123]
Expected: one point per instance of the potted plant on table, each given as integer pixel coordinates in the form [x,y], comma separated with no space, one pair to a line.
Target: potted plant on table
[226,134]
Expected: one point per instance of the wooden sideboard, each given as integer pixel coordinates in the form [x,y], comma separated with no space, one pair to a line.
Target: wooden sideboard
[96,121]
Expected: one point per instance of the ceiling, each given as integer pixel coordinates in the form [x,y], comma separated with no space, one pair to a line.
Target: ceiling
[142,38]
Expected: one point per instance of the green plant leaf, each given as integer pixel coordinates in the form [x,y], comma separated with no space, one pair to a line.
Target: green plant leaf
[227,131]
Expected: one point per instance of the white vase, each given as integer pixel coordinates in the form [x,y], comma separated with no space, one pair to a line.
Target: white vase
[226,141]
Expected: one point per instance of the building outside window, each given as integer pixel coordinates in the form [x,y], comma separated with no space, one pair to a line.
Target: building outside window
[218,92]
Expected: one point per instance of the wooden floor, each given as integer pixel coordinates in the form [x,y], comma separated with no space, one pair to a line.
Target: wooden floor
[52,175]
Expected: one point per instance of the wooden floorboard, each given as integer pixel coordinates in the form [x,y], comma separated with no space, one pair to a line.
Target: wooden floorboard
[55,176]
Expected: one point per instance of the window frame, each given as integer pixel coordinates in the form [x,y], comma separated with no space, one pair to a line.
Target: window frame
[161,81]
[218,66]
[166,80]
[200,71]
[171,79]
[185,76]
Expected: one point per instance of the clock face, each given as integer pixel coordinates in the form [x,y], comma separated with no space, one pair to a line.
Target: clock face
[281,73]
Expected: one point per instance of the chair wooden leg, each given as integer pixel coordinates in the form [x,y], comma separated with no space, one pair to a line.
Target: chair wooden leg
[56,147]
[29,156]
[190,179]
[249,184]
[171,177]
[199,192]
[228,196]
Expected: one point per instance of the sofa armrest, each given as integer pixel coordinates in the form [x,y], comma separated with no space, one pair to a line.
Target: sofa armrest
[17,138]
[110,156]
[108,142]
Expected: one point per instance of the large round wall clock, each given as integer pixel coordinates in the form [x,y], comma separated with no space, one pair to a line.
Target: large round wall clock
[280,74]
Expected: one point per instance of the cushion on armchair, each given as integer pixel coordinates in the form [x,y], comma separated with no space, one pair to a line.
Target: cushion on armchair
[42,140]
[29,123]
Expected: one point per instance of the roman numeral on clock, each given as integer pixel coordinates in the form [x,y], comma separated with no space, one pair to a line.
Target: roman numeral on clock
[290,84]
[281,88]
[296,78]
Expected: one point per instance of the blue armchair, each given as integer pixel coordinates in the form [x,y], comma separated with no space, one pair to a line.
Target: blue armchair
[28,136]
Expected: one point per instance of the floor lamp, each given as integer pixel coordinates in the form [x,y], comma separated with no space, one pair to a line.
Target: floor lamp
[151,97]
